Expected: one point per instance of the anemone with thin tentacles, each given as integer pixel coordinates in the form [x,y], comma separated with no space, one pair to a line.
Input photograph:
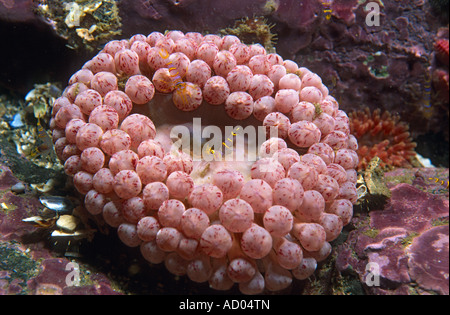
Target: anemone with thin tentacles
[382,135]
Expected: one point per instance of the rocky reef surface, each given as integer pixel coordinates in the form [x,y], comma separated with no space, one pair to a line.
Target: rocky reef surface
[390,55]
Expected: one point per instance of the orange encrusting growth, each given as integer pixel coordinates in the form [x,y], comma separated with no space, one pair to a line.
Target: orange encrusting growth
[382,135]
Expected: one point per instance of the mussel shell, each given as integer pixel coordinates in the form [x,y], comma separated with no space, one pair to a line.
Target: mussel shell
[59,204]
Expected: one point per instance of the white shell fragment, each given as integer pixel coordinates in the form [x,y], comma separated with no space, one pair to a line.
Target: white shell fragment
[67,223]
[57,203]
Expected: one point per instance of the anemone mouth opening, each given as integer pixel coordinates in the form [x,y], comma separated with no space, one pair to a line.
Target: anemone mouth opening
[167,119]
[162,111]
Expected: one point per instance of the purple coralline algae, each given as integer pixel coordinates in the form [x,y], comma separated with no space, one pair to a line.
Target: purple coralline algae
[27,265]
[428,259]
[405,244]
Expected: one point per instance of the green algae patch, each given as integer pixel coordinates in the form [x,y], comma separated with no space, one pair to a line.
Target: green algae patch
[19,267]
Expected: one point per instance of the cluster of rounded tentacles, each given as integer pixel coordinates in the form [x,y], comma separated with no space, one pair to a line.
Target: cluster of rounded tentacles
[258,224]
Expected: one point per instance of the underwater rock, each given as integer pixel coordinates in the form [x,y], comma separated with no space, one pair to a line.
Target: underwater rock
[27,33]
[409,209]
[373,185]
[344,9]
[430,180]
[86,25]
[58,276]
[440,9]
[17,10]
[403,246]
[159,15]
[428,259]
[14,208]
[298,15]
[384,66]
[28,265]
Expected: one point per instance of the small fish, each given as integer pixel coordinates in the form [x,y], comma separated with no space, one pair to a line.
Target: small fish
[57,203]
[437,180]
[327,8]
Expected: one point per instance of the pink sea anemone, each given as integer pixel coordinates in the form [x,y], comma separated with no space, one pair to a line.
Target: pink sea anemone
[259,223]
